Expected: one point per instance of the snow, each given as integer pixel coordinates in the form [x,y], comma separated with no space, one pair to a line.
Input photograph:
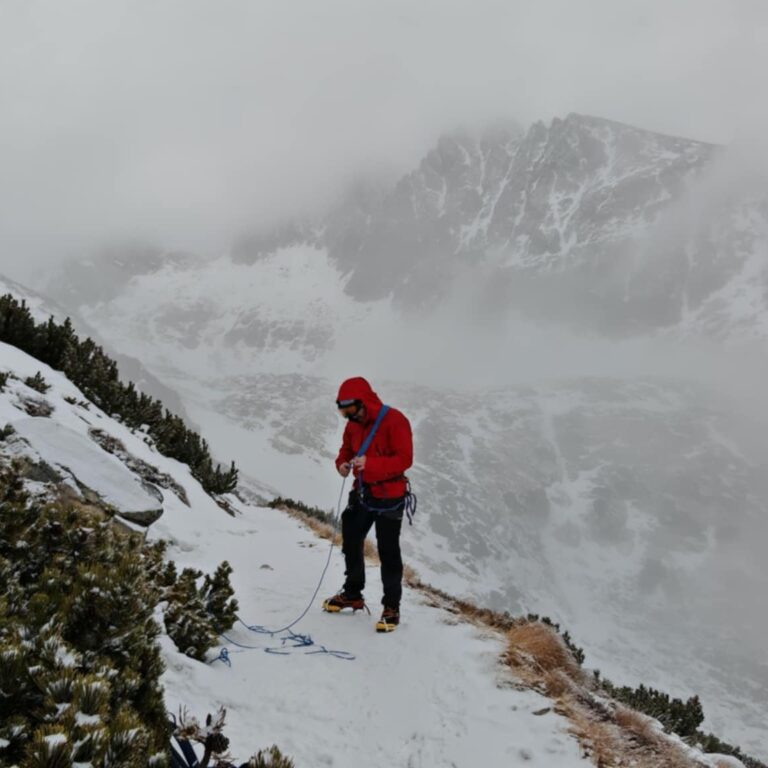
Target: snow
[433,693]
[83,719]
[79,456]
[282,314]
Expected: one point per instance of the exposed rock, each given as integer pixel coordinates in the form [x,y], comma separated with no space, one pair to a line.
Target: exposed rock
[35,406]
[151,476]
[143,517]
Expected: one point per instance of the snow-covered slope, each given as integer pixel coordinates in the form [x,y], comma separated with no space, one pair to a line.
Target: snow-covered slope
[607,499]
[131,368]
[433,694]
[631,511]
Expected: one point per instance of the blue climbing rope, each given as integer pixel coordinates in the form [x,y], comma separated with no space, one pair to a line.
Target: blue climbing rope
[292,640]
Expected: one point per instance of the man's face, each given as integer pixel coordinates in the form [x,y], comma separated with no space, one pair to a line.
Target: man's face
[353,410]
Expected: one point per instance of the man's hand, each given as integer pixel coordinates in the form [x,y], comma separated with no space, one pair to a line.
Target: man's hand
[344,469]
[358,463]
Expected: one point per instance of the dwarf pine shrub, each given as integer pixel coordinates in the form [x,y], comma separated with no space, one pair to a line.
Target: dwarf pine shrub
[79,663]
[270,758]
[89,368]
[217,595]
[38,383]
[710,743]
[187,622]
[305,509]
[197,615]
[678,716]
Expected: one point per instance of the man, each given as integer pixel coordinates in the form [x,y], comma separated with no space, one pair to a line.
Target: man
[377,497]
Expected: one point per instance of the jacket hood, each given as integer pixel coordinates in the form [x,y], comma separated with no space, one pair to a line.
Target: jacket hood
[359,389]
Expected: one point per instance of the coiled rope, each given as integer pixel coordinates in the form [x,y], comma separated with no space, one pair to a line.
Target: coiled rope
[292,640]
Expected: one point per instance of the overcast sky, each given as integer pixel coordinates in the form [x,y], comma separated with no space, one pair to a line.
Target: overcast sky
[184,121]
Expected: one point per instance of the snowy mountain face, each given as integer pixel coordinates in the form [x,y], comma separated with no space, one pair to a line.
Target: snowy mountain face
[585,222]
[630,507]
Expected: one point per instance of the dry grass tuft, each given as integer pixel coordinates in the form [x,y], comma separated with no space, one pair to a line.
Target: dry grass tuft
[557,683]
[536,643]
[628,739]
[597,740]
[637,725]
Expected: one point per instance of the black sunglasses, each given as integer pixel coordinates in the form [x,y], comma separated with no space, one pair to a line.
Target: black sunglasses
[349,408]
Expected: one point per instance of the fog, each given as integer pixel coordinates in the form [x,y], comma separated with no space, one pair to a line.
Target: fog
[185,122]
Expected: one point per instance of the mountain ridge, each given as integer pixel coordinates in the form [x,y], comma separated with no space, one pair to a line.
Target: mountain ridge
[542,470]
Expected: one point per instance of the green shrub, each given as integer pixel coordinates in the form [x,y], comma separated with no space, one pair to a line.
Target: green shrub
[38,383]
[710,743]
[270,758]
[87,366]
[217,595]
[186,620]
[81,667]
[677,716]
[196,616]
[300,506]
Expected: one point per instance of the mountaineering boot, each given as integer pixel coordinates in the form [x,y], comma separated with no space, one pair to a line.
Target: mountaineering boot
[341,601]
[390,618]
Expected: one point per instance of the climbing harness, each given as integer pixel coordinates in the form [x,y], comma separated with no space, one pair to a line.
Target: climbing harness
[408,503]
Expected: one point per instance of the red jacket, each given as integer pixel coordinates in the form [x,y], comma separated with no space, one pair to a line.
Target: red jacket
[391,450]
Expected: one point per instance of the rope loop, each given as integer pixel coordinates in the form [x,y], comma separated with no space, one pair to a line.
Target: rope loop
[292,640]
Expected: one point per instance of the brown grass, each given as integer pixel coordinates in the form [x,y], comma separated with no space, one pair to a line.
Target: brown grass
[536,643]
[637,725]
[626,739]
[556,683]
[596,738]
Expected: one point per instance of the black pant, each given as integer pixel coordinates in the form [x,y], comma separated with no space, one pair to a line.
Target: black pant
[356,521]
